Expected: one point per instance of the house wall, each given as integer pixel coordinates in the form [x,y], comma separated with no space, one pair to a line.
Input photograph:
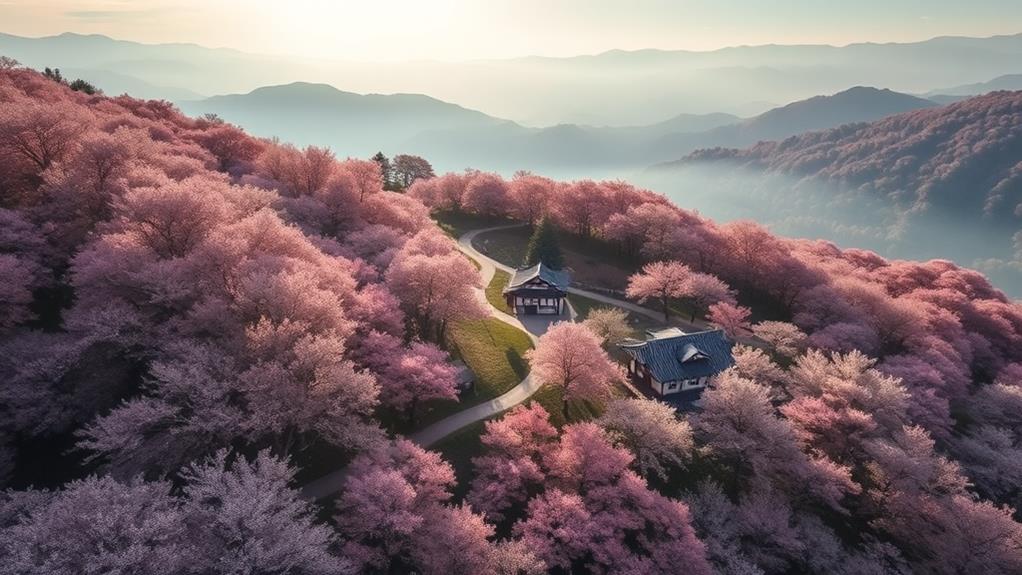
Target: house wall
[544,305]
[671,387]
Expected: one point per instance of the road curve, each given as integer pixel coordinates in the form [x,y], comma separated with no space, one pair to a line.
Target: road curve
[333,482]
[517,394]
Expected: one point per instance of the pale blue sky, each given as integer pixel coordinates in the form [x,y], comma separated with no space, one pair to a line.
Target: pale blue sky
[463,29]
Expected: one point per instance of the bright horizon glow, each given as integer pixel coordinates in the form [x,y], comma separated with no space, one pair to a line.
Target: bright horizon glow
[469,29]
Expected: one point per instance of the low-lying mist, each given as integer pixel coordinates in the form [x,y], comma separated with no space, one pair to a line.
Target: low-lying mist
[850,218]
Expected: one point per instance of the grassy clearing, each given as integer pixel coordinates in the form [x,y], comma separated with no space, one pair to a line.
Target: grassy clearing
[639,323]
[455,224]
[584,305]
[588,261]
[495,352]
[550,397]
[495,291]
[506,246]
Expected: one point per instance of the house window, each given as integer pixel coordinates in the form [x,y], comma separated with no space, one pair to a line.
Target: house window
[672,386]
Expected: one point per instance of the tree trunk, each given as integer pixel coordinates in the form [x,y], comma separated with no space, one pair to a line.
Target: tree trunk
[564,408]
[667,309]
[441,332]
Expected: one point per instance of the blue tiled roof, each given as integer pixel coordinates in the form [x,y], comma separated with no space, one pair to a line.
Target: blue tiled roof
[680,357]
[556,278]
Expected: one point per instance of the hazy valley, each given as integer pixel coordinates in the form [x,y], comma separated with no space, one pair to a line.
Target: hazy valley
[749,310]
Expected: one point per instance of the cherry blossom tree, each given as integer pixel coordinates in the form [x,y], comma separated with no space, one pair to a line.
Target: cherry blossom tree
[570,356]
[529,196]
[663,281]
[733,319]
[366,176]
[597,515]
[651,431]
[610,324]
[486,194]
[17,277]
[581,206]
[42,132]
[228,144]
[786,339]
[410,376]
[454,541]
[704,290]
[134,527]
[752,363]
[514,557]
[850,381]
[394,514]
[512,467]
[435,289]
[648,228]
[742,430]
[251,519]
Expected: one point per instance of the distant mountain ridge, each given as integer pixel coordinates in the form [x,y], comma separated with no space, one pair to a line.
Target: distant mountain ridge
[964,156]
[454,137]
[615,88]
[857,104]
[564,148]
[1005,82]
[351,124]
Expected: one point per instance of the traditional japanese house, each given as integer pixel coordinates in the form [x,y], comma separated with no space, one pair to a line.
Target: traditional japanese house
[671,361]
[538,290]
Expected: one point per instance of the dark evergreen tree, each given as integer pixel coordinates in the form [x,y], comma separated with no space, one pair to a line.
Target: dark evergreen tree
[80,85]
[386,170]
[54,74]
[544,247]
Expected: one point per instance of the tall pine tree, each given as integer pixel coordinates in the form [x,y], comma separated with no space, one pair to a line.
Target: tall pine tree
[386,170]
[543,247]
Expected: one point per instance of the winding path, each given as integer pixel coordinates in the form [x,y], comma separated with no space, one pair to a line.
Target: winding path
[533,326]
[332,482]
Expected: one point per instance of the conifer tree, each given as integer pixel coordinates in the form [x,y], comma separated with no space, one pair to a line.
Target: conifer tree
[544,247]
[386,170]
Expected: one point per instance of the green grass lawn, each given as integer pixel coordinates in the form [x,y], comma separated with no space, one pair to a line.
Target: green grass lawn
[494,291]
[584,305]
[495,352]
[550,397]
[506,246]
[455,224]
[587,261]
[639,323]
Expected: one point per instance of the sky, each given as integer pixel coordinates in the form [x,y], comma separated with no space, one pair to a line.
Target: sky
[471,29]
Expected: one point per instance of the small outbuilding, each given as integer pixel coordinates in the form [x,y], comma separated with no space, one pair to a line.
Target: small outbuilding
[671,361]
[539,290]
[464,377]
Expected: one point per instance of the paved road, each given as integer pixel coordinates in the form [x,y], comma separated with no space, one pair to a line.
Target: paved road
[534,326]
[489,265]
